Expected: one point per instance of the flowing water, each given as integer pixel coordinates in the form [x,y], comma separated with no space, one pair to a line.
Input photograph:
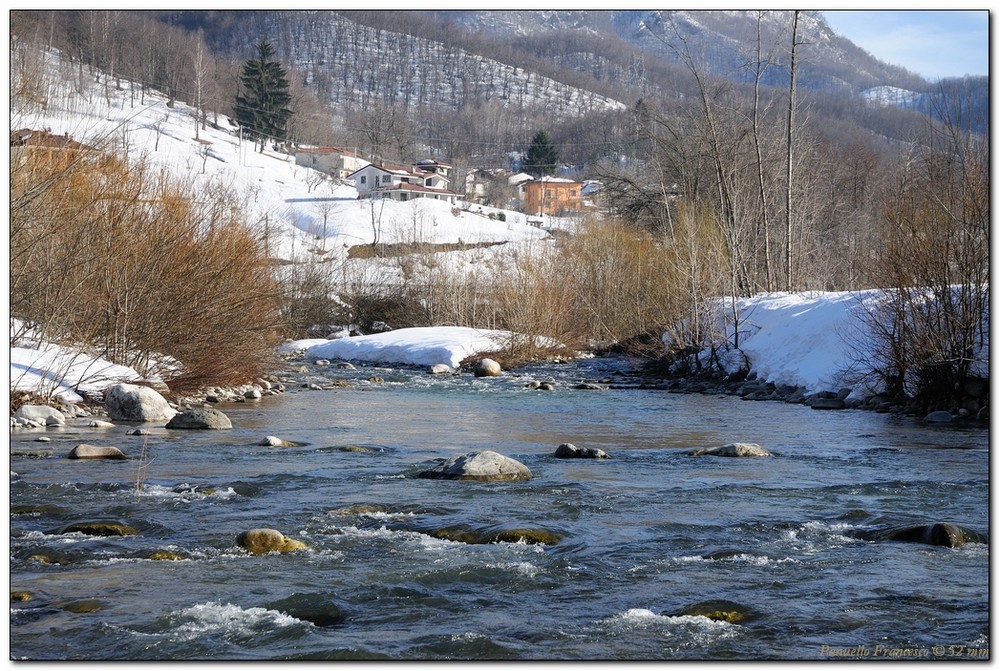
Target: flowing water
[643,536]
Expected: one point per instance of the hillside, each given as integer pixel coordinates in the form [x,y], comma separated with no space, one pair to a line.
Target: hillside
[292,201]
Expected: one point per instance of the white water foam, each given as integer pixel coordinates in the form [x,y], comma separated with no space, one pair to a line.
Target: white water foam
[216,618]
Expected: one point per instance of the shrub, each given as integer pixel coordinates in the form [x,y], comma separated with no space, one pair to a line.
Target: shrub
[114,256]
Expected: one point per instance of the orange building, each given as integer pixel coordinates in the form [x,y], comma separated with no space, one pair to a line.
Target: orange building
[552,196]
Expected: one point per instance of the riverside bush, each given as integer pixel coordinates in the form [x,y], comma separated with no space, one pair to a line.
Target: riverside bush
[113,256]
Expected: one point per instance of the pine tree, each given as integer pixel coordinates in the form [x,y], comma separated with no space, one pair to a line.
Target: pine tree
[542,157]
[262,105]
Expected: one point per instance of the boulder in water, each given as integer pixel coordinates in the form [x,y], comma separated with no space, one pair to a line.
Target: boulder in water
[719,610]
[98,529]
[200,418]
[263,541]
[274,441]
[84,451]
[485,465]
[486,368]
[42,415]
[733,450]
[316,608]
[942,534]
[571,451]
[136,403]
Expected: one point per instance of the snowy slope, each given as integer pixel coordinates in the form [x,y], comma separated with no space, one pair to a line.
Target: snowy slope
[274,189]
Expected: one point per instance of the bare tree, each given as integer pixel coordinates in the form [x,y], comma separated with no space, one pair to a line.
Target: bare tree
[201,67]
[790,137]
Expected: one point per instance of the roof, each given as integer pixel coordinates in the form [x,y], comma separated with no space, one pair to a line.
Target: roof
[432,162]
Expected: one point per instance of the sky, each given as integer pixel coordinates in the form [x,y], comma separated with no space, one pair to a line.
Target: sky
[934,44]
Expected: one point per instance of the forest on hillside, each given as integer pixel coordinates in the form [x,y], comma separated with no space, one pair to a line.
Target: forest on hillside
[712,185]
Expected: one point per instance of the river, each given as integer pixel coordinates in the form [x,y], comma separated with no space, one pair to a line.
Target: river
[643,536]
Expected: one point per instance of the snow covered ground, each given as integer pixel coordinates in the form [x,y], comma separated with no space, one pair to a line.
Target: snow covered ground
[812,340]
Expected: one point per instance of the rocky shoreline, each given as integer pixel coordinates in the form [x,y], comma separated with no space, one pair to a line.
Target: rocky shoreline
[972,405]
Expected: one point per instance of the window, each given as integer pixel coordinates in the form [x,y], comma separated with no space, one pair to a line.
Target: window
[386,178]
[572,193]
[364,179]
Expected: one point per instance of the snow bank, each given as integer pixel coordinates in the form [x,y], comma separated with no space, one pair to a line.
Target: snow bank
[809,340]
[817,340]
[412,346]
[64,372]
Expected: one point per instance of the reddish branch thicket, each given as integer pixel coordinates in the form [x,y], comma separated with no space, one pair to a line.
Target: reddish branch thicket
[112,255]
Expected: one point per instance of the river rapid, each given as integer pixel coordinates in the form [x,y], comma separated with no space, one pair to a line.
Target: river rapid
[644,536]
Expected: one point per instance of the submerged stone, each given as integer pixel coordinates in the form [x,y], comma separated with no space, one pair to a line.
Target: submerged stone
[84,451]
[82,606]
[719,610]
[200,418]
[316,608]
[941,534]
[733,450]
[99,529]
[571,451]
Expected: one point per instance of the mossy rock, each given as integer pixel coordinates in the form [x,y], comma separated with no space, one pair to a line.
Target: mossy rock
[166,555]
[359,509]
[465,534]
[33,454]
[43,509]
[718,610]
[733,450]
[21,596]
[99,529]
[264,541]
[274,441]
[358,448]
[82,606]
[530,536]
[458,534]
[942,534]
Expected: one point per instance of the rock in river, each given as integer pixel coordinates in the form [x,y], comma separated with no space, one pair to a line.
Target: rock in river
[719,610]
[262,541]
[98,529]
[485,465]
[941,533]
[571,451]
[486,368]
[43,415]
[84,451]
[733,450]
[136,403]
[200,418]
[317,608]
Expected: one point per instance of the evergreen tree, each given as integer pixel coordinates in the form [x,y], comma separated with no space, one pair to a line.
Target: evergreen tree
[542,157]
[262,104]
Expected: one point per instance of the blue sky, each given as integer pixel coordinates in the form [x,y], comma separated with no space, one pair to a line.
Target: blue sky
[933,44]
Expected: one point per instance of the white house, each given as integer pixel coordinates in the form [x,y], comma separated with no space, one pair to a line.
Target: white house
[427,179]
